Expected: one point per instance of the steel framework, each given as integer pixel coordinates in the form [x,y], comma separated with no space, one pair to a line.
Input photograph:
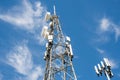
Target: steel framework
[58,54]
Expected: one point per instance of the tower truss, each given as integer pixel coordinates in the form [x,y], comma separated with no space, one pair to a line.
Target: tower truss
[58,54]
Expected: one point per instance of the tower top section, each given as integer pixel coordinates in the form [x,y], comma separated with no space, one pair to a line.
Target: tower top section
[54,10]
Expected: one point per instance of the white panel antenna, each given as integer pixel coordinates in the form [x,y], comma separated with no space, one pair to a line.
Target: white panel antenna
[50,38]
[96,70]
[103,66]
[45,32]
[99,67]
[106,62]
[47,16]
[71,51]
[68,39]
[51,24]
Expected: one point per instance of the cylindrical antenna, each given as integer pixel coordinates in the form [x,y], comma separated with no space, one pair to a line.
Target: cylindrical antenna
[54,10]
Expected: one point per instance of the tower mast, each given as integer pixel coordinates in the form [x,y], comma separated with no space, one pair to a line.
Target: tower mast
[58,54]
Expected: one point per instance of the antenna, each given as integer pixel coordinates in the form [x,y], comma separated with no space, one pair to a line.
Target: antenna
[54,10]
[105,68]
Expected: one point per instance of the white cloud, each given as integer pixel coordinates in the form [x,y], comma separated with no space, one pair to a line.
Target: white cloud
[104,24]
[26,16]
[100,50]
[117,32]
[36,74]
[113,64]
[110,27]
[30,17]
[40,39]
[20,59]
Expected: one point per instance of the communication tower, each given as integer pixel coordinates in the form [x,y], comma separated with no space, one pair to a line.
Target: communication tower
[58,54]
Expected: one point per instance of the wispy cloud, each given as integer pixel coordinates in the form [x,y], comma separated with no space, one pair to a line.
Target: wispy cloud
[116,29]
[114,64]
[30,17]
[101,51]
[27,16]
[108,26]
[104,24]
[20,58]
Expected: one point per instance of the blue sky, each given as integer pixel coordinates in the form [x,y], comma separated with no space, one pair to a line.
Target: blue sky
[94,28]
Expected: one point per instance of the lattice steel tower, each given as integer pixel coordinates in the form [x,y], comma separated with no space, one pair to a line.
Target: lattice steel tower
[58,54]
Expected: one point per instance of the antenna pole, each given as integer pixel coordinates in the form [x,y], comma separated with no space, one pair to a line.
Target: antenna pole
[54,10]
